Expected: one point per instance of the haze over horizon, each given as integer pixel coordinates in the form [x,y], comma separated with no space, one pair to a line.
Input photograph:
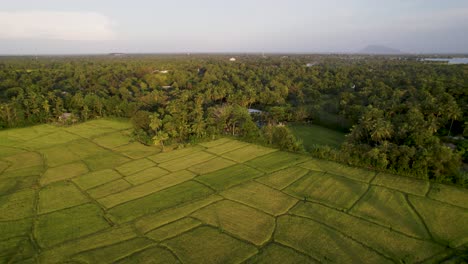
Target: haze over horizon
[296,26]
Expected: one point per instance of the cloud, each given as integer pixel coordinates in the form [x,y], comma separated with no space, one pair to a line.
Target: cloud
[87,26]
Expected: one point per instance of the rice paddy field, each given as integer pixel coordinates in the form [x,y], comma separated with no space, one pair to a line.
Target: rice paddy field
[87,194]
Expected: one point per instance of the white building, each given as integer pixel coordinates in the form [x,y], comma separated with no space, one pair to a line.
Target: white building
[232,59]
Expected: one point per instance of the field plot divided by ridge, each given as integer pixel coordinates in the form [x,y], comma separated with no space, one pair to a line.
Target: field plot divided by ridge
[87,193]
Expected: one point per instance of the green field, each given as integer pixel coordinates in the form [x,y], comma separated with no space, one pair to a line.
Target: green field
[317,135]
[87,194]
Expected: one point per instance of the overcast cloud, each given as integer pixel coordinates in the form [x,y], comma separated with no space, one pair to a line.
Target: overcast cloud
[55,25]
[91,26]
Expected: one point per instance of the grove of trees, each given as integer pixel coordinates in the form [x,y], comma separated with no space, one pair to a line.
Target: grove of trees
[401,115]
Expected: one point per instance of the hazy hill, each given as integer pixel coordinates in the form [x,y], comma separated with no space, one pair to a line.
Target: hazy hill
[377,49]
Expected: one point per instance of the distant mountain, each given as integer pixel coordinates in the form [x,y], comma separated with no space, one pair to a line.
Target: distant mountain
[377,49]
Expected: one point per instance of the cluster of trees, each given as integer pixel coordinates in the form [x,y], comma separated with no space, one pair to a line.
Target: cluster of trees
[399,113]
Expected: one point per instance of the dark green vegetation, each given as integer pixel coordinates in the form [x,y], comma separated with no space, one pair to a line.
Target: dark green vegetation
[398,112]
[313,136]
[107,199]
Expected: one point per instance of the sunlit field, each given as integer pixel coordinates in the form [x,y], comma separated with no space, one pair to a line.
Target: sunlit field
[88,194]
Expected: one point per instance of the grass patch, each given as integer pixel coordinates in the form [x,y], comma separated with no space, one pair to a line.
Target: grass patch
[146,175]
[247,153]
[112,253]
[446,223]
[229,177]
[96,178]
[339,169]
[84,148]
[107,237]
[3,166]
[105,160]
[334,191]
[174,154]
[211,165]
[11,185]
[109,188]
[226,147]
[161,218]
[25,172]
[186,161]
[146,189]
[173,229]
[312,135]
[135,166]
[303,234]
[400,248]
[449,194]
[276,161]
[112,140]
[214,143]
[158,201]
[154,255]
[17,205]
[63,172]
[237,219]
[58,196]
[8,141]
[59,155]
[116,124]
[57,227]
[9,229]
[262,197]
[136,150]
[88,131]
[9,151]
[389,208]
[56,138]
[283,178]
[28,133]
[207,245]
[403,184]
[24,160]
[16,249]
[276,253]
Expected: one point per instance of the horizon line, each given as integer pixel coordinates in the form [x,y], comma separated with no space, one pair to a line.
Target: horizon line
[230,53]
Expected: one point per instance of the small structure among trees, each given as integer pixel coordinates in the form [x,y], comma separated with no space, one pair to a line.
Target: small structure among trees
[67,118]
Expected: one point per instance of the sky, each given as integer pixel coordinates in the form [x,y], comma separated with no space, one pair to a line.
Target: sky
[180,26]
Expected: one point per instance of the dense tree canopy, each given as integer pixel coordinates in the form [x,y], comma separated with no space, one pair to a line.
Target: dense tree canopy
[400,113]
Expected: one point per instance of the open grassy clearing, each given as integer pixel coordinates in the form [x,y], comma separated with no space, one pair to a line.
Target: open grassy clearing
[236,219]
[402,184]
[303,234]
[94,179]
[132,167]
[312,135]
[226,147]
[332,190]
[262,197]
[276,161]
[58,196]
[114,252]
[153,255]
[396,246]
[146,189]
[209,245]
[173,229]
[247,153]
[86,194]
[390,209]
